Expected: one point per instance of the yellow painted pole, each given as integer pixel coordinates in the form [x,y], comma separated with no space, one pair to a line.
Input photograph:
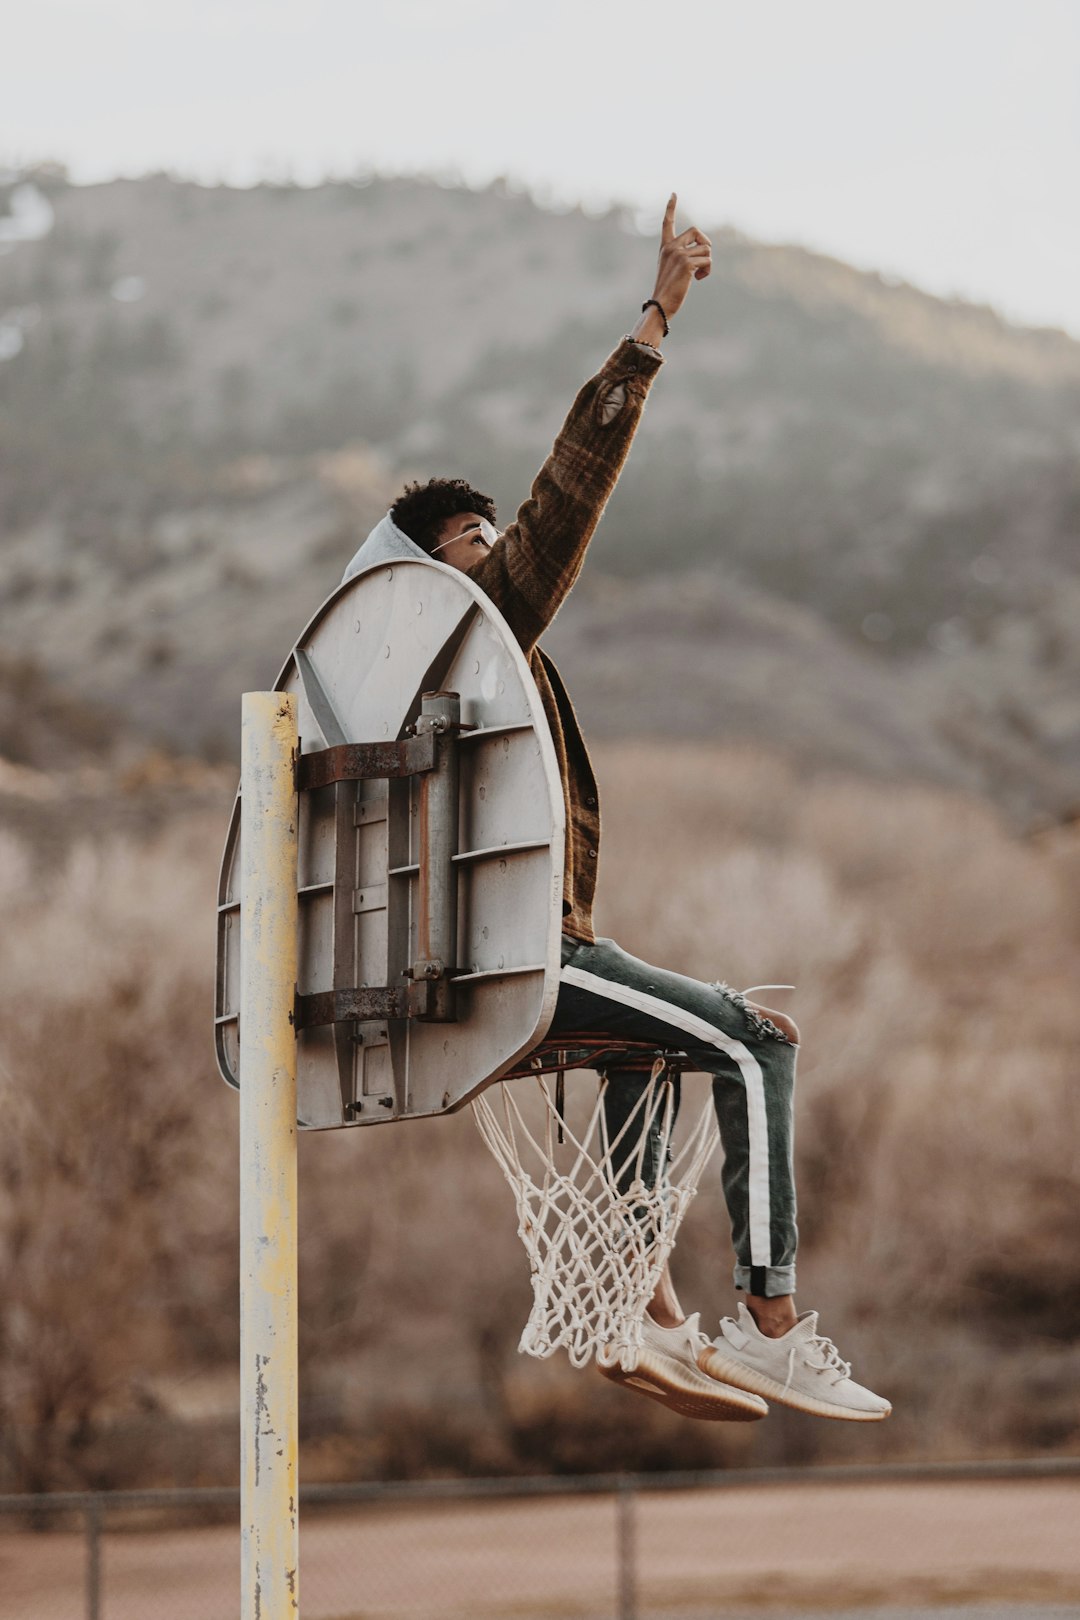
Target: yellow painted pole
[268,1376]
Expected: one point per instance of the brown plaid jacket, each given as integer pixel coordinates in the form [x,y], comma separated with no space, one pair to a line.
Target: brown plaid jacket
[530,569]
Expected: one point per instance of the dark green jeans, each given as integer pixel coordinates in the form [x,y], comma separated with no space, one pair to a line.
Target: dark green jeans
[603,990]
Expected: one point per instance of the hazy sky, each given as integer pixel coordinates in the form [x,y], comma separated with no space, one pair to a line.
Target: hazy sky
[935,139]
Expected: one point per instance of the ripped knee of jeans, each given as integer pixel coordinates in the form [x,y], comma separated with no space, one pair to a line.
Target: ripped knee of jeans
[761,1027]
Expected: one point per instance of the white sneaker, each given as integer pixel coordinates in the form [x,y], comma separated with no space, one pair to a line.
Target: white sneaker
[801,1369]
[668,1371]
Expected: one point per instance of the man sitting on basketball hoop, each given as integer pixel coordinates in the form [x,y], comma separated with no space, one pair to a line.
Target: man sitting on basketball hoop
[527,571]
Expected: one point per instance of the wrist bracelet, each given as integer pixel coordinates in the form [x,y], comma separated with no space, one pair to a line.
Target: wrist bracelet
[656,304]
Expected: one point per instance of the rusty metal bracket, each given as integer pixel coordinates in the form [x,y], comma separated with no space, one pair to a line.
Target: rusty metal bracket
[363,762]
[367,1005]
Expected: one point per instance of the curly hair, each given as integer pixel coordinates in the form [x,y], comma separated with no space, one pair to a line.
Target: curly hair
[421,509]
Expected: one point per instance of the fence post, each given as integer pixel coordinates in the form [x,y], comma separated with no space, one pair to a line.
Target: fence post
[627,1552]
[268,956]
[93,1559]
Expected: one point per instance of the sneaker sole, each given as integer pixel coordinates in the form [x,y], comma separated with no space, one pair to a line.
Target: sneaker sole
[733,1372]
[665,1380]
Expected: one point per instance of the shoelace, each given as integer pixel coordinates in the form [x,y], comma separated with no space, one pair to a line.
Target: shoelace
[830,1359]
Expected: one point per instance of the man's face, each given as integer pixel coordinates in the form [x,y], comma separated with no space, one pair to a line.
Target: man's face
[464,540]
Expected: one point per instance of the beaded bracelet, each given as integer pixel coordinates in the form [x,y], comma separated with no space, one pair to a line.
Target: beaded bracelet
[655,302]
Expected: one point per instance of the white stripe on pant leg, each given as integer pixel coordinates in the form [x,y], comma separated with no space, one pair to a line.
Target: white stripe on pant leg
[754,1085]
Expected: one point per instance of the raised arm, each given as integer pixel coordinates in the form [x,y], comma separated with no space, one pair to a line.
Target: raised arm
[531,568]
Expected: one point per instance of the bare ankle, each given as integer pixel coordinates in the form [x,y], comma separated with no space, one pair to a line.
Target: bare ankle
[664,1307]
[774,1316]
[663,1316]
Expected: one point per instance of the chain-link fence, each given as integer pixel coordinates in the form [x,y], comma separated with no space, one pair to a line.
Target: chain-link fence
[599,1548]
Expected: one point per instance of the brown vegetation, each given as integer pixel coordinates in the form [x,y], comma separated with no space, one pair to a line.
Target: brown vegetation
[936,961]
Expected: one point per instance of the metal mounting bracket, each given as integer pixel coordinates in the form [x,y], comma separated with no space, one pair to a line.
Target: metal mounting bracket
[365,762]
[369,1004]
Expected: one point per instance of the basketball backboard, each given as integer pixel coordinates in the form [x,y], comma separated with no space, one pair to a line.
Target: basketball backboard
[370,1047]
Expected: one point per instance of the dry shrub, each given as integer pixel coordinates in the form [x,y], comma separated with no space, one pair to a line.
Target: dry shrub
[116,1183]
[934,955]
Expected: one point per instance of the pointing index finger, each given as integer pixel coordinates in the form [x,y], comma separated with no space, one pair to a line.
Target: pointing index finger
[667,233]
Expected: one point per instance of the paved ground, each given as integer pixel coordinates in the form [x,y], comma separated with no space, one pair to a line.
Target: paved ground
[964,1611]
[1000,1550]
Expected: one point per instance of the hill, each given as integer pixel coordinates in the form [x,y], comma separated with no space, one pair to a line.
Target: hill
[869,494]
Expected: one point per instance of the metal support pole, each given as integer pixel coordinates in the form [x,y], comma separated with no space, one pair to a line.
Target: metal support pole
[93,1560]
[268,1372]
[624,1533]
[436,943]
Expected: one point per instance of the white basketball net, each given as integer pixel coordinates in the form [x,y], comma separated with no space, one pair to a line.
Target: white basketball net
[596,1252]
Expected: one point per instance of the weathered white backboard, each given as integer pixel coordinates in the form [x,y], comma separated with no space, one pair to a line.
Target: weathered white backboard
[359,671]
